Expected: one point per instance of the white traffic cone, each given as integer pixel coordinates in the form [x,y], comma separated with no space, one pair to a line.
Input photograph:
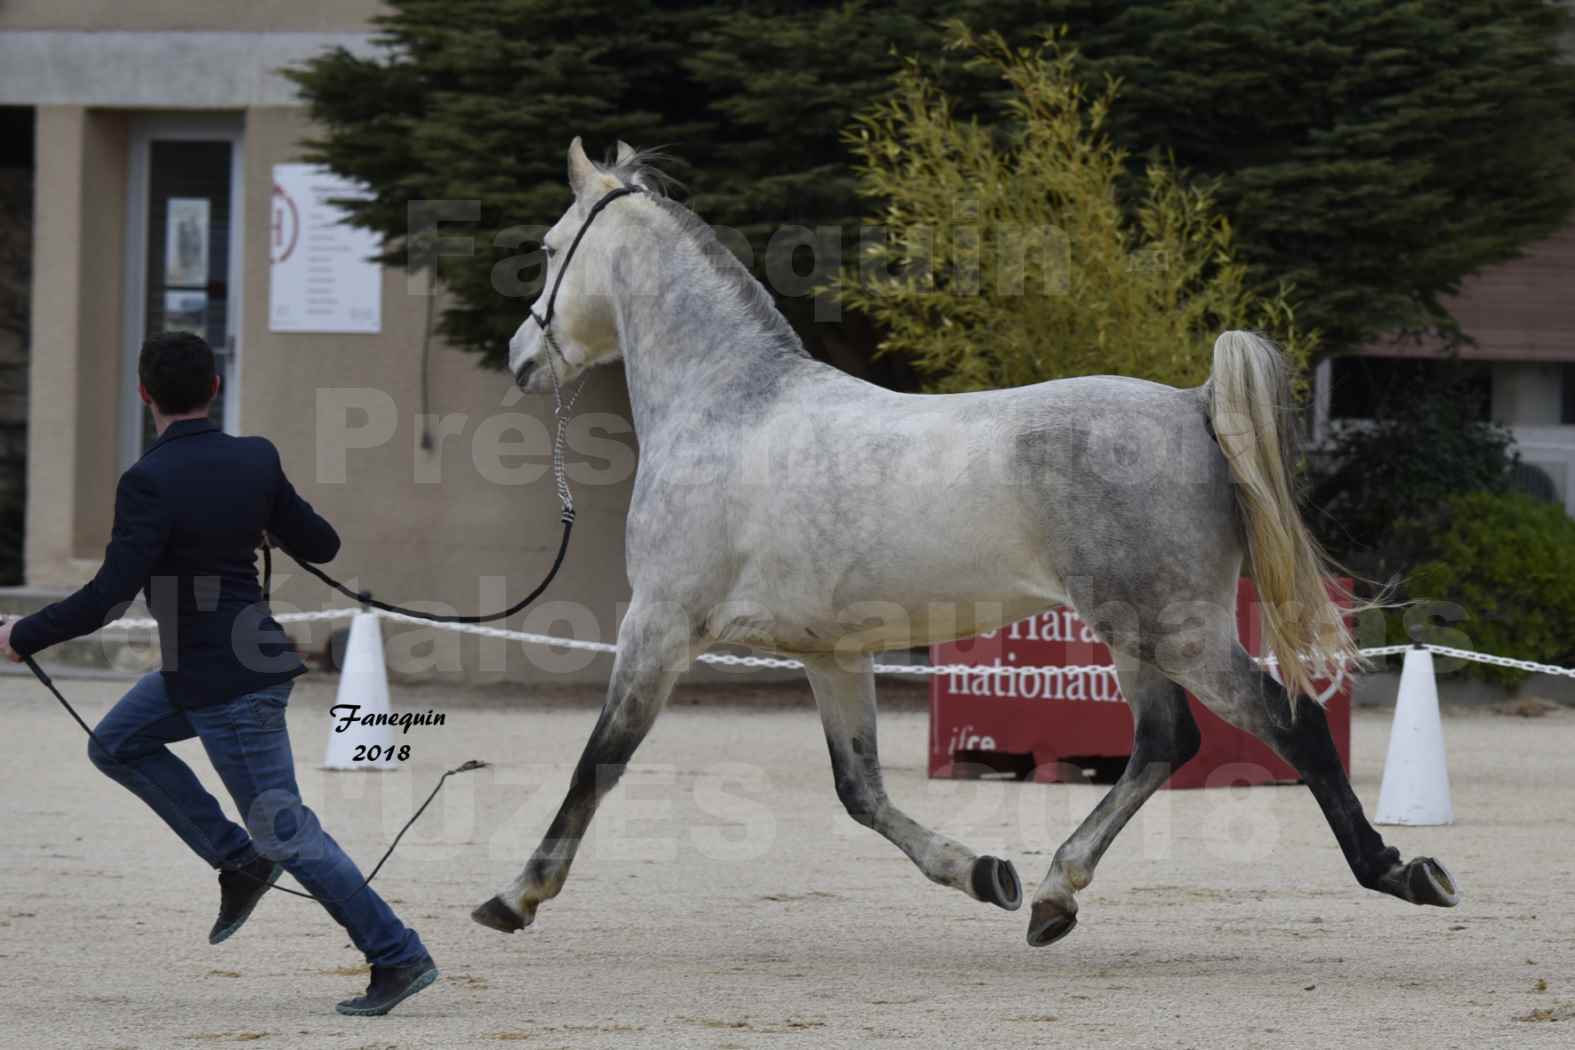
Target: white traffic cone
[363,682]
[1416,776]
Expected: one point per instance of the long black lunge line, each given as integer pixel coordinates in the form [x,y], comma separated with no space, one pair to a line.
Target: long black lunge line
[365,597]
[545,323]
[49,684]
[560,409]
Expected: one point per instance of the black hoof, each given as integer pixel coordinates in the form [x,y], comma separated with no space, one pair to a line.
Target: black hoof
[995,882]
[1429,882]
[1048,924]
[498,916]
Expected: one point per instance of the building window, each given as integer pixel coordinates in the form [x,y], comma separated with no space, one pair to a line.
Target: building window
[1370,387]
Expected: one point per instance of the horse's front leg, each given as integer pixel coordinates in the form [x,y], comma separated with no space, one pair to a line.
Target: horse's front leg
[846,698]
[653,649]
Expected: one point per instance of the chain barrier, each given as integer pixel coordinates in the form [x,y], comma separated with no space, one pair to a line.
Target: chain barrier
[773,663]
[148,624]
[1499,661]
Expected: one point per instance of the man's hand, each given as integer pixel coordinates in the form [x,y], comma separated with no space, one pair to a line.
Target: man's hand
[5,643]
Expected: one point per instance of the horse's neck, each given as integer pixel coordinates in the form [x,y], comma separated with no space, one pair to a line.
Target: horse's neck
[691,345]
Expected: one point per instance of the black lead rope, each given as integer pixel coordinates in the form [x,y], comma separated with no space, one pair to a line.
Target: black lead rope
[366,598]
[544,321]
[38,672]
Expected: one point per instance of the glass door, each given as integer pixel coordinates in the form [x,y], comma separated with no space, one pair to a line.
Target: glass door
[183,252]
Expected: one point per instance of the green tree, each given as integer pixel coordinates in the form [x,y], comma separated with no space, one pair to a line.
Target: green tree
[476,100]
[786,80]
[1371,153]
[1008,255]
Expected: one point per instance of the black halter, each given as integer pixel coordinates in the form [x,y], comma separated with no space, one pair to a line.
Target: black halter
[544,320]
[560,410]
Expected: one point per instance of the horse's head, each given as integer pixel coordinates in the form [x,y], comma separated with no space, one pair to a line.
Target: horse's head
[581,313]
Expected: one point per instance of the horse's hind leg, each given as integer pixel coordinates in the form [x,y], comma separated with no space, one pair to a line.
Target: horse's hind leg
[1165,738]
[846,699]
[1237,691]
[651,652]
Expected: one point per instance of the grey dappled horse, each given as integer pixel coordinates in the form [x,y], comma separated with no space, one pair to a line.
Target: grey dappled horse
[786,506]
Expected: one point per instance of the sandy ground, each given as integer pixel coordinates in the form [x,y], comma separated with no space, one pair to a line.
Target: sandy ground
[725,901]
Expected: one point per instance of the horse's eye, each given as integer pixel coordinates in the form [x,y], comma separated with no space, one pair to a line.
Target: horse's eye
[548,250]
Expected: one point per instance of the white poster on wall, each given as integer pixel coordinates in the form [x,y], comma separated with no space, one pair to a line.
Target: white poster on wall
[321,279]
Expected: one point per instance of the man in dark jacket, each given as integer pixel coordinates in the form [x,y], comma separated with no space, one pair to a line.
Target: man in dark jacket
[189,516]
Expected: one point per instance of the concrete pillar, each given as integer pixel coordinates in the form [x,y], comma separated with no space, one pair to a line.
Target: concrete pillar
[79,223]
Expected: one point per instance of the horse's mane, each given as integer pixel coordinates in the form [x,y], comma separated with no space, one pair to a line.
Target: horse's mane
[641,170]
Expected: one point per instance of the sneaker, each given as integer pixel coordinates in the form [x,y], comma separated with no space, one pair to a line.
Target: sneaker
[239,891]
[391,985]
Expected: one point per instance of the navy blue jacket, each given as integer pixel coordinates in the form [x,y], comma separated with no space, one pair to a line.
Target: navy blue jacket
[188,518]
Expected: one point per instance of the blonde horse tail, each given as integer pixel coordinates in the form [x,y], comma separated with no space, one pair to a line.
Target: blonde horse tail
[1249,404]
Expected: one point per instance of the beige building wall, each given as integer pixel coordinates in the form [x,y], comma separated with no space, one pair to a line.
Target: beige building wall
[176,16]
[472,523]
[463,526]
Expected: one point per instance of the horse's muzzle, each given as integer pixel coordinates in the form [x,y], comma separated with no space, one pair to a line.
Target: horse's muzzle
[522,374]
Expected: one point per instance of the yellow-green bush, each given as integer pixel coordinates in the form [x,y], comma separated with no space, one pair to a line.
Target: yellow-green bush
[1010,255]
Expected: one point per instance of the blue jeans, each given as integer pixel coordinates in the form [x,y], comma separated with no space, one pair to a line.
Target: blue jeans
[249,746]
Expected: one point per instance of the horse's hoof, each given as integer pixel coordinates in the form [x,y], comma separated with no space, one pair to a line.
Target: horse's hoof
[1048,923]
[499,916]
[995,882]
[1429,882]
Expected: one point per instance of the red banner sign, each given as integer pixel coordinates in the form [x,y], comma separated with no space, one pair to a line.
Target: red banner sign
[1040,700]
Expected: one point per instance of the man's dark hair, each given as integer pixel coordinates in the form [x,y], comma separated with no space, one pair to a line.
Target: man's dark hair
[177,369]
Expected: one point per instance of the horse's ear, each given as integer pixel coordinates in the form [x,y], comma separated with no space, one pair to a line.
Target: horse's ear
[625,152]
[581,170]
